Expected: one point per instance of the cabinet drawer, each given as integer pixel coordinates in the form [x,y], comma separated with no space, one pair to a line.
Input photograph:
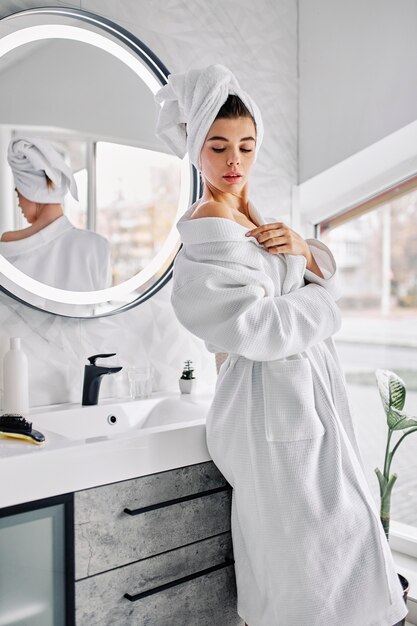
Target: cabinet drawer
[166,510]
[206,598]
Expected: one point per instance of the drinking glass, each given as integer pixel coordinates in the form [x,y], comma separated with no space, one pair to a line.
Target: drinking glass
[140,381]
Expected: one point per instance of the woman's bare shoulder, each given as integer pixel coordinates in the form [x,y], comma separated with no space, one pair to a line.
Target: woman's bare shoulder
[211,208]
[6,236]
[16,235]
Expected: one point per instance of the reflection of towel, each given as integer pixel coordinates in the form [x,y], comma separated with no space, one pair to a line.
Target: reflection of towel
[192,101]
[30,159]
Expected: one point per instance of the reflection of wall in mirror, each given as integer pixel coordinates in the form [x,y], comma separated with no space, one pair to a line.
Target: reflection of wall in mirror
[70,95]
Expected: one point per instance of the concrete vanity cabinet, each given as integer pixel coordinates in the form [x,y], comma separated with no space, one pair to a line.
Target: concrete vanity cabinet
[156,551]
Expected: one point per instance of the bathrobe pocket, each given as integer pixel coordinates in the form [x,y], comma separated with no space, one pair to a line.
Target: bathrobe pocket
[290,413]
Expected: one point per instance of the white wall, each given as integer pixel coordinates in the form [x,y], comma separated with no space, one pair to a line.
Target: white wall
[357,77]
[258,41]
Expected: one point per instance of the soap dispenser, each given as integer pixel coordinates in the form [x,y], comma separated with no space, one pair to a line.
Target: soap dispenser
[15,379]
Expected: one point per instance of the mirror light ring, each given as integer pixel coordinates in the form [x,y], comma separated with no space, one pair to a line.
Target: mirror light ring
[117,31]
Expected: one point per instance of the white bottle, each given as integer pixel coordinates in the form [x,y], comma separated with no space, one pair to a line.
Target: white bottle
[15,379]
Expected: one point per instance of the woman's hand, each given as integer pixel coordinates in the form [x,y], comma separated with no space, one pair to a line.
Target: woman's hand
[278,238]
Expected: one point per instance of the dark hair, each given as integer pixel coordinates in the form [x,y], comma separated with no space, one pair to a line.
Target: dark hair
[232,108]
[49,182]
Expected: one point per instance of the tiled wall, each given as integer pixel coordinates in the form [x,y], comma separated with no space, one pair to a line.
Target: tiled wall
[258,41]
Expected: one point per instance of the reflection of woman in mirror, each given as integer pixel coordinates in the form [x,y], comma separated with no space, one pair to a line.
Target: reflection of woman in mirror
[51,249]
[308,545]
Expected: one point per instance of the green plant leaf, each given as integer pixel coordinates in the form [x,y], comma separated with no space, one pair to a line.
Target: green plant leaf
[398,420]
[391,389]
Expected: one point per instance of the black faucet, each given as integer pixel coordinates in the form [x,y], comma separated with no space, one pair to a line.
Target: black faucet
[92,378]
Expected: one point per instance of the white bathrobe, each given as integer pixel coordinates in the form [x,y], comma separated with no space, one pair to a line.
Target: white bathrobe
[62,256]
[308,544]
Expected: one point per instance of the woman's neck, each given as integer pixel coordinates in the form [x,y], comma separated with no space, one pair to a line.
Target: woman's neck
[48,214]
[236,202]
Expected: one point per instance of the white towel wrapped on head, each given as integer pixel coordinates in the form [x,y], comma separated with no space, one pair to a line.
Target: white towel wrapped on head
[191,103]
[30,159]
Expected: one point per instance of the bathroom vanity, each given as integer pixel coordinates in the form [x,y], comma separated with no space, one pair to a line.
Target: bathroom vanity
[147,543]
[156,550]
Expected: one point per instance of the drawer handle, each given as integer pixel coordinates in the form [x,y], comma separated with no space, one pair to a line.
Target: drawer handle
[144,509]
[179,581]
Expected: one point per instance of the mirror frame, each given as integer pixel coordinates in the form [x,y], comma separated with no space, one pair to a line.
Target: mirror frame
[119,35]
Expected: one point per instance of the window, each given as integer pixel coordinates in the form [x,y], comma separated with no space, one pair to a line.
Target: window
[375,247]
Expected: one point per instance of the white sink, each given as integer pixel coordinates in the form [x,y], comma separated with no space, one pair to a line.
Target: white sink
[109,419]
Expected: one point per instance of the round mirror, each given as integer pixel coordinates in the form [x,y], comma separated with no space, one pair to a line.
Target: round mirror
[84,87]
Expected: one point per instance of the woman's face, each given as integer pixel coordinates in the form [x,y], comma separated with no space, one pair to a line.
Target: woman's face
[228,153]
[27,207]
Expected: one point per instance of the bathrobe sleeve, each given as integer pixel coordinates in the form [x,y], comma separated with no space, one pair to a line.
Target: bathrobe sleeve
[327,264]
[238,317]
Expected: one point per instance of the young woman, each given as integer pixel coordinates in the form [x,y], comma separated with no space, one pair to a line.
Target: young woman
[308,544]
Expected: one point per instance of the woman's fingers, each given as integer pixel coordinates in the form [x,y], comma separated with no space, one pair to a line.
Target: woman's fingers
[271,234]
[259,229]
[279,238]
[273,237]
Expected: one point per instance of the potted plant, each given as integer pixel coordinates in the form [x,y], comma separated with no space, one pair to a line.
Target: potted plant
[187,379]
[392,391]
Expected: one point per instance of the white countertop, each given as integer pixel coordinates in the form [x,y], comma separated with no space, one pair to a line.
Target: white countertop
[62,465]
